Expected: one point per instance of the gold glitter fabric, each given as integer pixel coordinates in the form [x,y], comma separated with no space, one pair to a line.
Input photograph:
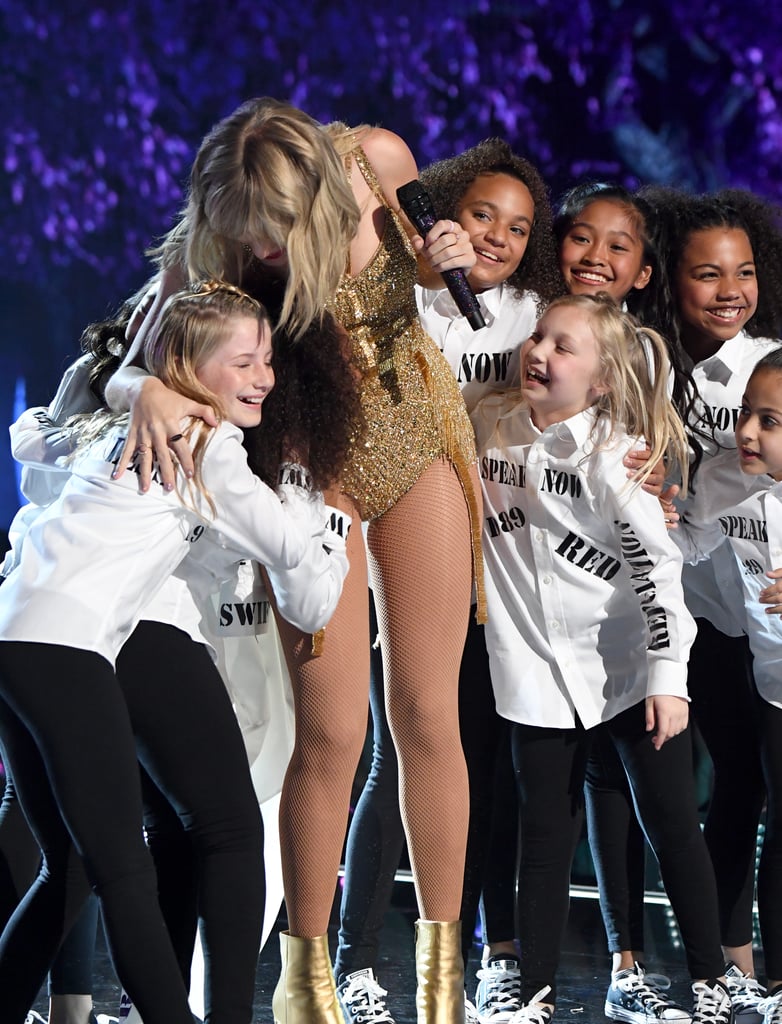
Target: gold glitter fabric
[414,409]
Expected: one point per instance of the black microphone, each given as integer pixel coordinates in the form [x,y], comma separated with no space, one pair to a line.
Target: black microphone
[415,201]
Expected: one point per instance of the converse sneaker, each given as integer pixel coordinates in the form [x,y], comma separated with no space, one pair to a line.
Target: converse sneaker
[34,1018]
[471,1015]
[498,995]
[746,993]
[711,1003]
[363,1000]
[535,1011]
[771,1006]
[633,999]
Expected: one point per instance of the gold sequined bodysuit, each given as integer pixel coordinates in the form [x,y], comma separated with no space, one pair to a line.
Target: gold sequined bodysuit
[413,406]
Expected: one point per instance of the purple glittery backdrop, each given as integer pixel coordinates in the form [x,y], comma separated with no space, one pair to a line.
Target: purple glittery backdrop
[102,108]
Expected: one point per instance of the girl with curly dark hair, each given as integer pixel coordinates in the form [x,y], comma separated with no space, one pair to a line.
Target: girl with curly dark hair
[720,298]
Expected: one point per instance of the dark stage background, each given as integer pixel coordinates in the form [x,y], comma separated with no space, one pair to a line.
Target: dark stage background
[103,106]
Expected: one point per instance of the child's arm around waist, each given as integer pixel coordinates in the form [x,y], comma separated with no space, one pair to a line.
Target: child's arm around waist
[288,534]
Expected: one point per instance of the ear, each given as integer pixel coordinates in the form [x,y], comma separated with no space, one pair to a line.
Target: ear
[598,390]
[643,278]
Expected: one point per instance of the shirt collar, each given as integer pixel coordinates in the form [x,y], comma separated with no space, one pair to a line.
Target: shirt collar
[577,429]
[727,358]
[441,301]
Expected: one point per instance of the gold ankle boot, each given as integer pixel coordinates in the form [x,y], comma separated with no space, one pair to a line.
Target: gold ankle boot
[306,992]
[439,972]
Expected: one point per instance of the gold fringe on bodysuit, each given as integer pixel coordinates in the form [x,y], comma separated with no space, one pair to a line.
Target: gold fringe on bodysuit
[414,409]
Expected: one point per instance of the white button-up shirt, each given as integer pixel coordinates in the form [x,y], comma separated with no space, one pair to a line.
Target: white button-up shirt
[721,380]
[488,359]
[586,610]
[91,563]
[746,513]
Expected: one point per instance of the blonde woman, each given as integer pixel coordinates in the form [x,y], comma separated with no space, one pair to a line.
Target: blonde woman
[278,200]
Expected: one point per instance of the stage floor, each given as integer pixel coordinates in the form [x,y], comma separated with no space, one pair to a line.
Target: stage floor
[583,975]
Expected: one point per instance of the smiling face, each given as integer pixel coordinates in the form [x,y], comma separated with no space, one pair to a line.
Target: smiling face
[759,427]
[497,212]
[560,366]
[603,251]
[239,371]
[716,288]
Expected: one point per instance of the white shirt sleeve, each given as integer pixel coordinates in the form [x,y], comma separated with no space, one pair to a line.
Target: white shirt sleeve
[307,567]
[654,566]
[38,440]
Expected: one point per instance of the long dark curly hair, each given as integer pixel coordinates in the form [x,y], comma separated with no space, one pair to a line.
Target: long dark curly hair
[678,215]
[313,412]
[675,217]
[448,180]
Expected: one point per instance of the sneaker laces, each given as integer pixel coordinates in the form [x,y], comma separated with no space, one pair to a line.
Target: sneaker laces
[745,991]
[712,1003]
[365,999]
[471,1015]
[535,1011]
[653,1002]
[502,988]
[771,1008]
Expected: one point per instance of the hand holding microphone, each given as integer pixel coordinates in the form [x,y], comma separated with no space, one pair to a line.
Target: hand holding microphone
[415,202]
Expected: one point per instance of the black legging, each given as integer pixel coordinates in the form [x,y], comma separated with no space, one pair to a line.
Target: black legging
[769,720]
[722,693]
[376,838]
[20,859]
[617,845]
[720,686]
[550,765]
[68,705]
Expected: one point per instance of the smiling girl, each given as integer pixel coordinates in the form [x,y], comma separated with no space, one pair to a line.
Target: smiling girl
[587,628]
[739,501]
[720,296]
[90,567]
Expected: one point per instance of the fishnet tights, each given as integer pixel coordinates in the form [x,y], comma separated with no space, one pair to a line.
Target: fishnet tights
[421,568]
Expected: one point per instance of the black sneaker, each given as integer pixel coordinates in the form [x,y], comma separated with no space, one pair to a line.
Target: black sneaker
[771,1006]
[631,998]
[535,1011]
[746,994]
[498,995]
[362,999]
[712,1003]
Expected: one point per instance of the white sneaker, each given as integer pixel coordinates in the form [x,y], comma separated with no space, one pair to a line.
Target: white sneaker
[746,993]
[34,1018]
[498,995]
[771,1007]
[535,1011]
[712,1003]
[363,1000]
[471,1015]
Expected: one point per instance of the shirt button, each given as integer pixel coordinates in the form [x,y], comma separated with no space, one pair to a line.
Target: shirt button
[554,625]
[546,580]
[539,536]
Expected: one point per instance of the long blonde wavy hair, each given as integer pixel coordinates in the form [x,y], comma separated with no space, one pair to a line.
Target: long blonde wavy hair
[271,172]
